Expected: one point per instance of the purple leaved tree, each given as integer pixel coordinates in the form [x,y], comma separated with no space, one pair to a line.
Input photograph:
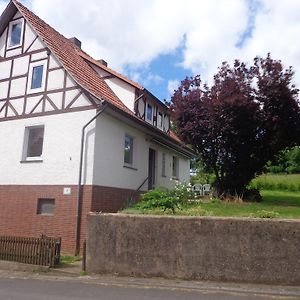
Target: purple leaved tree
[239,123]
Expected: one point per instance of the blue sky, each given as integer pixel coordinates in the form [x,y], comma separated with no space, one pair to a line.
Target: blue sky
[159,42]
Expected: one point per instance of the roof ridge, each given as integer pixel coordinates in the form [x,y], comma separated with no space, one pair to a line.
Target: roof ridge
[108,69]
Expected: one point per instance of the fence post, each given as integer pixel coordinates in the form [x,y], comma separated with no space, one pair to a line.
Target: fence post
[84,256]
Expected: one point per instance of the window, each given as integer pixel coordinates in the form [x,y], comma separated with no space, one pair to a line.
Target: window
[15,33]
[37,77]
[45,206]
[160,120]
[175,169]
[149,112]
[33,146]
[163,165]
[128,150]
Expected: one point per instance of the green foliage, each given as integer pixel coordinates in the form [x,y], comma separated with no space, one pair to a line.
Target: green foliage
[67,260]
[274,182]
[274,204]
[265,214]
[166,199]
[287,161]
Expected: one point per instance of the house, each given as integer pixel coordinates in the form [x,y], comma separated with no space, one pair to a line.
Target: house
[75,135]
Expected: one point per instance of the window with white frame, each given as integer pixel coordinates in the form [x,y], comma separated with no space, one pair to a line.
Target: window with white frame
[160,120]
[33,142]
[163,165]
[37,74]
[15,33]
[128,150]
[149,113]
[175,167]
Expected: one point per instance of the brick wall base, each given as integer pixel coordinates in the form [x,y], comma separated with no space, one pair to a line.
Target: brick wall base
[18,213]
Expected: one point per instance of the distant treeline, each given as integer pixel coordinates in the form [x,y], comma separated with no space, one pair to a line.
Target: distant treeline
[288,161]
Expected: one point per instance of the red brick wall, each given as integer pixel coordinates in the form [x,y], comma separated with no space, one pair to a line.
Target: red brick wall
[18,210]
[108,199]
[19,206]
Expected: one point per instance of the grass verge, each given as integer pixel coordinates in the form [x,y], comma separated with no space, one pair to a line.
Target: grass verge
[66,260]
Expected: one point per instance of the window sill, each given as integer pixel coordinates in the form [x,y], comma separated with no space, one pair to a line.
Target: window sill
[14,47]
[175,178]
[31,161]
[45,215]
[130,167]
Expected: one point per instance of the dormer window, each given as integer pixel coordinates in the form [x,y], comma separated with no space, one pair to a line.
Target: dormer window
[15,33]
[160,120]
[149,112]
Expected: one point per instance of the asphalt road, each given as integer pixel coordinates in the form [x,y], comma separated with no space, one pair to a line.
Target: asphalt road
[45,289]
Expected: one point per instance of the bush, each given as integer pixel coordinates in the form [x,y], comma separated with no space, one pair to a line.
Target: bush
[266,214]
[166,199]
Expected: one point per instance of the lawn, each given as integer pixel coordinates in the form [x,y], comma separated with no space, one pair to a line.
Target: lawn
[275,204]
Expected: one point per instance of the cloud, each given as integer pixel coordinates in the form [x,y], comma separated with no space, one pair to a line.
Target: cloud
[131,34]
[172,86]
[2,6]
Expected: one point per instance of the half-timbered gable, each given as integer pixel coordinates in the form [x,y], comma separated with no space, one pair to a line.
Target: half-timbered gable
[32,80]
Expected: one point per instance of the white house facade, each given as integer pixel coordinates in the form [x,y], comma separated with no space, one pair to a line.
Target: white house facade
[75,135]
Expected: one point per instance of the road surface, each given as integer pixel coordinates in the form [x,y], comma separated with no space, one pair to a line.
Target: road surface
[50,289]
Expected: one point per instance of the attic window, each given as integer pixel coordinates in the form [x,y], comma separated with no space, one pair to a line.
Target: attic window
[37,74]
[149,112]
[160,120]
[15,33]
[37,77]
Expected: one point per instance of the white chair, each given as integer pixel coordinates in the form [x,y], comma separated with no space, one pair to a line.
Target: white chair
[206,188]
[198,189]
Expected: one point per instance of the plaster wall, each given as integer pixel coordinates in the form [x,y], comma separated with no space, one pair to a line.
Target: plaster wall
[109,167]
[123,90]
[61,150]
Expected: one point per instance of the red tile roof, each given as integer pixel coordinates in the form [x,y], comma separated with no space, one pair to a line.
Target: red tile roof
[109,70]
[67,54]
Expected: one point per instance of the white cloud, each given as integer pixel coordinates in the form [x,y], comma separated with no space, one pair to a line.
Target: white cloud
[172,86]
[133,32]
[2,6]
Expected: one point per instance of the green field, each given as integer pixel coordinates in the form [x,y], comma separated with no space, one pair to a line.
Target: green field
[283,182]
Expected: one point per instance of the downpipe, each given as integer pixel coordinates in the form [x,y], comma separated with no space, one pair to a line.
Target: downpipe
[79,188]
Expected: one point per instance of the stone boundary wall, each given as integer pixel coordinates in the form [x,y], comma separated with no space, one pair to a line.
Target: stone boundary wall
[198,248]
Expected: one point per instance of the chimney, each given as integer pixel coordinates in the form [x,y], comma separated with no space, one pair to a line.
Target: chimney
[75,41]
[102,62]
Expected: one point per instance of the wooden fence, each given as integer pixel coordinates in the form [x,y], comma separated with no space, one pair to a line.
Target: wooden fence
[44,251]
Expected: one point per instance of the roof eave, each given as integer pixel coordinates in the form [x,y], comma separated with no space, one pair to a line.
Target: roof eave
[157,133]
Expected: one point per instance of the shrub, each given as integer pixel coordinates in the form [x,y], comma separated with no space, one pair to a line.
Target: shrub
[265,214]
[166,199]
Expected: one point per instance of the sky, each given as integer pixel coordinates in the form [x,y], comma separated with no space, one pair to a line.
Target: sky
[159,42]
